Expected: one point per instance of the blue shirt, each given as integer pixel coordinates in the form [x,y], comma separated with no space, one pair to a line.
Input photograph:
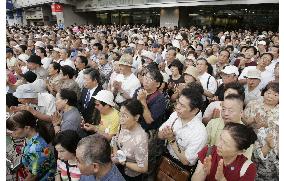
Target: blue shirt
[112,175]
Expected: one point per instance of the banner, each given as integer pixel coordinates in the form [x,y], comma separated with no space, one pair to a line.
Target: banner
[56,8]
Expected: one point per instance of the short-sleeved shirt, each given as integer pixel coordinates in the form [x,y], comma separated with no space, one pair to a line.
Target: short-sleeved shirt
[46,103]
[112,175]
[46,61]
[11,62]
[80,79]
[128,84]
[71,85]
[41,73]
[190,137]
[38,158]
[55,81]
[109,123]
[211,107]
[231,171]
[157,105]
[208,83]
[71,120]
[73,171]
[134,144]
[214,129]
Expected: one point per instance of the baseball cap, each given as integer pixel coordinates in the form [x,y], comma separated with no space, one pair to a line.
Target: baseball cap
[231,69]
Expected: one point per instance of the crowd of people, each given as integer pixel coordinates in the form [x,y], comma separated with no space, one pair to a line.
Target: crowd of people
[112,102]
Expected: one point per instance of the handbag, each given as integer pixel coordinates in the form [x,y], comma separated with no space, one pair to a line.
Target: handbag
[170,171]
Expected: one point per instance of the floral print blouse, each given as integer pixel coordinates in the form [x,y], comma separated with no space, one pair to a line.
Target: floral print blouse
[39,159]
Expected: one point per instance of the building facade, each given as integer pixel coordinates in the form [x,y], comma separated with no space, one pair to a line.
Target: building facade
[168,13]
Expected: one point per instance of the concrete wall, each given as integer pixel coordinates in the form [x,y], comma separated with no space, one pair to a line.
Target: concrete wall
[169,17]
[70,17]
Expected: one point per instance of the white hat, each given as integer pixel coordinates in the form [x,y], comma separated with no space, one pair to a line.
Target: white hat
[261,43]
[56,49]
[105,96]
[176,44]
[17,47]
[178,37]
[25,91]
[148,54]
[231,69]
[23,57]
[253,74]
[40,44]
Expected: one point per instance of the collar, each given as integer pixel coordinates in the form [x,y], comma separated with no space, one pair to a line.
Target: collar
[32,139]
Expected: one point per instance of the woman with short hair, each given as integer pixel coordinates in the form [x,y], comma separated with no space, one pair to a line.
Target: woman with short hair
[226,161]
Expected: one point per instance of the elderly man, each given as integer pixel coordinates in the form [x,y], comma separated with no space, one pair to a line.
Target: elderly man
[93,154]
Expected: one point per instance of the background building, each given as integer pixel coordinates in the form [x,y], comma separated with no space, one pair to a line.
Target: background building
[169,13]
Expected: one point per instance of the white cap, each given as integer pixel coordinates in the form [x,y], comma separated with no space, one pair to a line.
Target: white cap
[231,69]
[105,96]
[148,54]
[40,44]
[56,49]
[261,43]
[132,45]
[178,37]
[176,44]
[23,57]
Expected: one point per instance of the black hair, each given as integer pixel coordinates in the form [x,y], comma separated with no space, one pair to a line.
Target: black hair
[254,49]
[156,75]
[25,118]
[84,60]
[94,74]
[273,86]
[237,97]
[209,66]
[241,50]
[224,50]
[68,139]
[67,70]
[243,135]
[230,47]
[267,53]
[236,86]
[195,98]
[134,107]
[42,50]
[178,64]
[56,66]
[70,96]
[23,47]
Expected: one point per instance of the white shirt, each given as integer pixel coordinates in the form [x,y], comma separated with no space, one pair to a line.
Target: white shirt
[191,137]
[46,103]
[212,84]
[271,66]
[92,91]
[252,95]
[266,76]
[80,79]
[68,62]
[128,84]
[45,62]
[137,63]
[11,62]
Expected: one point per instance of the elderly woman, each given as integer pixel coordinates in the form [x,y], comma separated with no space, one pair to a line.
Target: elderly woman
[131,143]
[67,80]
[37,158]
[264,112]
[65,143]
[70,119]
[225,161]
[263,115]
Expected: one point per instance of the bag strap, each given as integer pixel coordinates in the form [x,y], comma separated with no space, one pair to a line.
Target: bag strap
[208,81]
[209,151]
[245,167]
